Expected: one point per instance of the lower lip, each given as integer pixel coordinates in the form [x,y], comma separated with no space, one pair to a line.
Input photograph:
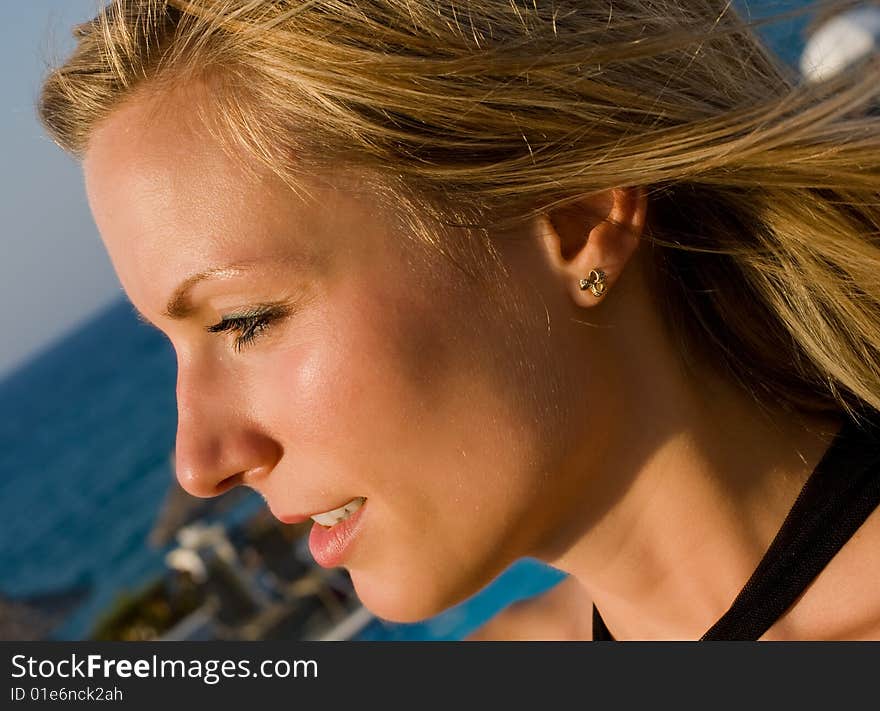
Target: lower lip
[330,545]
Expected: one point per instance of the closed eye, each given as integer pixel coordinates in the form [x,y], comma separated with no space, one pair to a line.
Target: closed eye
[249,325]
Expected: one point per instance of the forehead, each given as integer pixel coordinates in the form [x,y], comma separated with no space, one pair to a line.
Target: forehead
[170,201]
[153,165]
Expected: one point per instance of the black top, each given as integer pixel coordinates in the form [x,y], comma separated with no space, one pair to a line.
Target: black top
[836,499]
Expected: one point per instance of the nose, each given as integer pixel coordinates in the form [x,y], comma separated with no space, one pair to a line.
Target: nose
[218,446]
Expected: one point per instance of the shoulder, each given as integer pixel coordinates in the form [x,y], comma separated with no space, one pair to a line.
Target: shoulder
[842,602]
[563,613]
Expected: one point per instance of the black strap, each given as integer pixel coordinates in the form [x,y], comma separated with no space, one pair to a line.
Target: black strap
[601,633]
[837,498]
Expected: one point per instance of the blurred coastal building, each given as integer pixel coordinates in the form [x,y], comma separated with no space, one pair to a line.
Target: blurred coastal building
[236,578]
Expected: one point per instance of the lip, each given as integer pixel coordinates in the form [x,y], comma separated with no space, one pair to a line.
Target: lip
[329,546]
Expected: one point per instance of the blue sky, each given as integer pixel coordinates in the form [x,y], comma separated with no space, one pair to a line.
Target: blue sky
[54,272]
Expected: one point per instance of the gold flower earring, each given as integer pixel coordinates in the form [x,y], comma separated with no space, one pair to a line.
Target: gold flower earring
[595,282]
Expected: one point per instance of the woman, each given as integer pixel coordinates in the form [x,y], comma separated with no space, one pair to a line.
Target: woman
[591,282]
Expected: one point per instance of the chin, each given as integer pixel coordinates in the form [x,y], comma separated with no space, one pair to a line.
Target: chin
[406,599]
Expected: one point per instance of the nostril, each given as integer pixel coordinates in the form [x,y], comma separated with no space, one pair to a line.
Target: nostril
[229,482]
[207,468]
[206,487]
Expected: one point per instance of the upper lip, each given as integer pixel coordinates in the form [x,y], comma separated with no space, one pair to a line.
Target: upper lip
[299,518]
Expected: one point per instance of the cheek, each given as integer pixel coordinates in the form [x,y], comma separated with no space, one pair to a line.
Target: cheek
[402,391]
[353,375]
[403,395]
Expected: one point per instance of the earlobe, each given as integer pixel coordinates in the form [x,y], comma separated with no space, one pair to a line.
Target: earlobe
[590,242]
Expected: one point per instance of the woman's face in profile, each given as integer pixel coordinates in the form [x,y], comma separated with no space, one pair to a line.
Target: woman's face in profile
[369,367]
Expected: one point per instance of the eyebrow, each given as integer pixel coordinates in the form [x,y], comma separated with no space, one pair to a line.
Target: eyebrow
[179,306]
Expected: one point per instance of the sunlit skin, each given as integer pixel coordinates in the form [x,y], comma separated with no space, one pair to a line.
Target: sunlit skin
[482,424]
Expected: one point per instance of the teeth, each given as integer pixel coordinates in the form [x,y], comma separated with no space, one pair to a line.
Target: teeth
[331,518]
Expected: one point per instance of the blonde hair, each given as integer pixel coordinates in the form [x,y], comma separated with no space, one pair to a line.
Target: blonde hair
[763,212]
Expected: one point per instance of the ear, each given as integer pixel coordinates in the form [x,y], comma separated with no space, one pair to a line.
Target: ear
[598,232]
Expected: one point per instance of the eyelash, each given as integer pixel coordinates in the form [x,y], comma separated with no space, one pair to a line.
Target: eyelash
[249,325]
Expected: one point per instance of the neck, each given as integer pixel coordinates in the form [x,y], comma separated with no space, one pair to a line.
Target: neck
[691,493]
